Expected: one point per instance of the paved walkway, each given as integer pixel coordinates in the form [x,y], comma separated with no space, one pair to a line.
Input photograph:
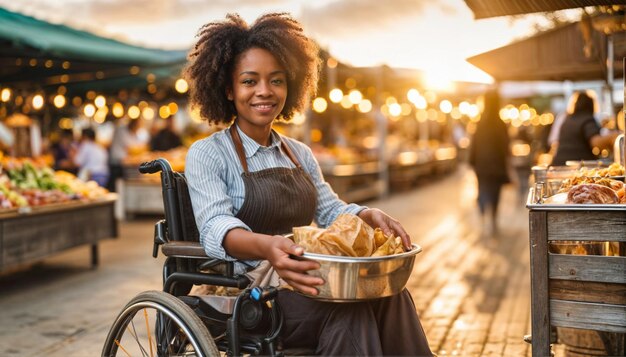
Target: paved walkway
[471,289]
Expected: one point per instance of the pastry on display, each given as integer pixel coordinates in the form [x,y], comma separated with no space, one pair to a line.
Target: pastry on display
[591,193]
[592,186]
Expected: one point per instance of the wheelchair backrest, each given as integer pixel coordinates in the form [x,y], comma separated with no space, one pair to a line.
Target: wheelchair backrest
[181,223]
[185,216]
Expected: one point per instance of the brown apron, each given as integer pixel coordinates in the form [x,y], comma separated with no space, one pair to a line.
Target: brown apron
[276,200]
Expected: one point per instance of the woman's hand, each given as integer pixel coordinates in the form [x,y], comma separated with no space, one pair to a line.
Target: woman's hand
[292,271]
[390,226]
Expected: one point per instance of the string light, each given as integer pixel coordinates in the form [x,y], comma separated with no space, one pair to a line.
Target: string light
[5,95]
[173,107]
[445,106]
[89,110]
[395,109]
[118,110]
[335,95]
[59,101]
[355,96]
[134,112]
[38,102]
[100,101]
[413,95]
[346,103]
[320,105]
[365,106]
[164,111]
[148,113]
[181,86]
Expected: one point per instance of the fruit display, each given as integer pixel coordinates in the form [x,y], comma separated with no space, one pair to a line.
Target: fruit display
[26,182]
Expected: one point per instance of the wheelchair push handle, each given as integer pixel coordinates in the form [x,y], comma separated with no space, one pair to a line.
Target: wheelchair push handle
[155,166]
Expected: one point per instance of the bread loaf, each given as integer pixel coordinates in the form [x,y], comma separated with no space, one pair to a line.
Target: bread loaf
[591,193]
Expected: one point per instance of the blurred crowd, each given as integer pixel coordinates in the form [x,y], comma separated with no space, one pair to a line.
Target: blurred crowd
[91,158]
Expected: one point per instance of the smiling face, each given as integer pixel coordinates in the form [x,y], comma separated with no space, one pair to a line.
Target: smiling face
[259,90]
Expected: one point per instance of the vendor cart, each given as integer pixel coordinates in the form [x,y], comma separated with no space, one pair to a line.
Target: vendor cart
[577,291]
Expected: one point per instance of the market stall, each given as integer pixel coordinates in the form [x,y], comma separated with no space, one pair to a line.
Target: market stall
[43,212]
[64,79]
[578,261]
[34,234]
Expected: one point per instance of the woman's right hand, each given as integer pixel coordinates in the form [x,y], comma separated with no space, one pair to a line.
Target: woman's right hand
[292,271]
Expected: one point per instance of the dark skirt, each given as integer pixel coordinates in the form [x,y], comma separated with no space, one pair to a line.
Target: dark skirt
[388,326]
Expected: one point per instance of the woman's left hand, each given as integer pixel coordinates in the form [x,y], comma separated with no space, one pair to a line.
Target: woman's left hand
[389,225]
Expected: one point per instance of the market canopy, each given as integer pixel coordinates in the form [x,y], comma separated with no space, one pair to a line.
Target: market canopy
[37,52]
[492,8]
[556,55]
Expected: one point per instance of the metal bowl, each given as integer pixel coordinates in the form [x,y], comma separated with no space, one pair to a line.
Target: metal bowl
[349,279]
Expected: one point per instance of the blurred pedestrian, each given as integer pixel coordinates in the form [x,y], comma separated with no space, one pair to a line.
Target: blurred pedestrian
[166,138]
[125,138]
[580,133]
[62,149]
[92,159]
[489,156]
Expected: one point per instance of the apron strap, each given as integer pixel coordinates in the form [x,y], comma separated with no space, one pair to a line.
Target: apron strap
[242,156]
[289,153]
[239,147]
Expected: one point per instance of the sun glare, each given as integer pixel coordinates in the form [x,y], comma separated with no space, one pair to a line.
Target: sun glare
[439,80]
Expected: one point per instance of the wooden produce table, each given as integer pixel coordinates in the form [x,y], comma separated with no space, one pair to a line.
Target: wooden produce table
[577,291]
[27,236]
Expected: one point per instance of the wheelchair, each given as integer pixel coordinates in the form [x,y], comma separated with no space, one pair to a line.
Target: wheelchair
[172,323]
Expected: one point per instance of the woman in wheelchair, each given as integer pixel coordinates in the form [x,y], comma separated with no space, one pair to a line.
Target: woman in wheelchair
[248,185]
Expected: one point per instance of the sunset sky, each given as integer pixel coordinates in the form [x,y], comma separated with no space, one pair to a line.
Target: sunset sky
[433,35]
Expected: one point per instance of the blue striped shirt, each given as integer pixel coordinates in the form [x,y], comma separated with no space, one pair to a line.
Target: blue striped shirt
[217,190]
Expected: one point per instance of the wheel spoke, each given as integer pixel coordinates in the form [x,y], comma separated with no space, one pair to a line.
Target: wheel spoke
[172,330]
[123,349]
[145,314]
[133,332]
[183,345]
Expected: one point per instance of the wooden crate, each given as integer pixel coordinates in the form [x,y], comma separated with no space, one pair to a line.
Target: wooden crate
[26,237]
[576,291]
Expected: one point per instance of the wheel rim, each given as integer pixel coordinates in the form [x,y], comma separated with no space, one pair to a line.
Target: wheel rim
[137,333]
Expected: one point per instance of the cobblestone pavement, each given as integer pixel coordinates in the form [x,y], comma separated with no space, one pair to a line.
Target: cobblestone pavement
[471,288]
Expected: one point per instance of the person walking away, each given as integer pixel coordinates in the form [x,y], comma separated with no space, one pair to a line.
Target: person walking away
[92,159]
[489,157]
[580,134]
[249,184]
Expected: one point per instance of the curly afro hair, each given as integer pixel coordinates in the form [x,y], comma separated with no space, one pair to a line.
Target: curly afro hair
[214,56]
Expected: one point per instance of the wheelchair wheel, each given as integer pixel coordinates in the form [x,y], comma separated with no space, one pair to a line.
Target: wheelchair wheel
[155,323]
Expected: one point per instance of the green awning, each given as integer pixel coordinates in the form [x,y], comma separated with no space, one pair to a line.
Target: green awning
[30,36]
[35,53]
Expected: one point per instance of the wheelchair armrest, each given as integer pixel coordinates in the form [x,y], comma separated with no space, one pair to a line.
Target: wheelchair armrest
[183,249]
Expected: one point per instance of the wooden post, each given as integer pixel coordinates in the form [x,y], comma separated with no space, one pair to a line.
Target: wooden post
[94,256]
[540,317]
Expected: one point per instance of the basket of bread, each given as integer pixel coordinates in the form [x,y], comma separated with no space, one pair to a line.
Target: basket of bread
[357,262]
